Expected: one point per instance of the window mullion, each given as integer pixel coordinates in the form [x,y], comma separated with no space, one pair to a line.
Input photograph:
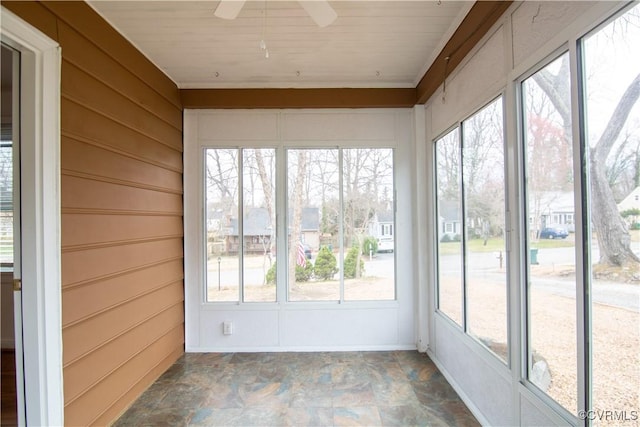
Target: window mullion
[240,226]
[583,262]
[341,221]
[463,232]
[281,225]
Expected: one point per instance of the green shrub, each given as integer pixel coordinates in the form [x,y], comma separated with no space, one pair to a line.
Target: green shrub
[271,275]
[326,264]
[456,237]
[445,239]
[370,244]
[350,263]
[630,212]
[303,274]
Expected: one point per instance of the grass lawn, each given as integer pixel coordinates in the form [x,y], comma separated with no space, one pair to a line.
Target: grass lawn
[496,245]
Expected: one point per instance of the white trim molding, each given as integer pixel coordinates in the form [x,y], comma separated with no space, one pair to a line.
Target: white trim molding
[40,176]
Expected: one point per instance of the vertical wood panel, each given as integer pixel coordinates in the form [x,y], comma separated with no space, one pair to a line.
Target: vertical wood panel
[121,156]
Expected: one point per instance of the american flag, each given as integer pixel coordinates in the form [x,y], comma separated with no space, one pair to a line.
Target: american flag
[301,258]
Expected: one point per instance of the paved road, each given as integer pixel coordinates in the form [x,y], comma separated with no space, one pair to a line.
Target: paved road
[486,264]
[610,293]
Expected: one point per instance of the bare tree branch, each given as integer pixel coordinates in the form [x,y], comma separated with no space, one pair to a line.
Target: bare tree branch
[616,121]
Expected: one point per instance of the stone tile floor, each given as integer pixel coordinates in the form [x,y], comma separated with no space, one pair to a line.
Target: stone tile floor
[399,388]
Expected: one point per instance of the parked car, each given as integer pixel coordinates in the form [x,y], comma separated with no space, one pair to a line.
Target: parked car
[307,250]
[385,244]
[554,233]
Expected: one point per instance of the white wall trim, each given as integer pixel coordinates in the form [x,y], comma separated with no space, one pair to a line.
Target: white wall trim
[41,295]
[300,349]
[279,326]
[420,248]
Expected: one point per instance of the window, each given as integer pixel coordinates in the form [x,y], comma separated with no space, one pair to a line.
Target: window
[336,248]
[315,254]
[472,278]
[551,297]
[449,208]
[339,222]
[484,243]
[6,212]
[8,154]
[576,222]
[612,128]
[240,224]
[368,201]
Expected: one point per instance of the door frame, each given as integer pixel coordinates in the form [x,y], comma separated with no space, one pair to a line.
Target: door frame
[40,191]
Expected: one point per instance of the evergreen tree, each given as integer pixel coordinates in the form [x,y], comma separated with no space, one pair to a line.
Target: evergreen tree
[350,262]
[326,264]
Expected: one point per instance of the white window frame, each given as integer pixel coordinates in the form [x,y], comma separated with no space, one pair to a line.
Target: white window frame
[282,244]
[240,212]
[458,228]
[601,16]
[530,387]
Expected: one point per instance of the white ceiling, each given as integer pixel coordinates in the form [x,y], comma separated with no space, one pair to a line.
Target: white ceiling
[371,44]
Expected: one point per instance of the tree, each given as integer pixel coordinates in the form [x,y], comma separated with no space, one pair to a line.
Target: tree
[611,231]
[614,240]
[353,264]
[370,245]
[326,264]
[368,183]
[623,165]
[267,189]
[222,173]
[296,218]
[483,171]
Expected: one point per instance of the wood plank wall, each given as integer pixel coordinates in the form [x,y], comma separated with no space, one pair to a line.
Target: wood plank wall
[121,177]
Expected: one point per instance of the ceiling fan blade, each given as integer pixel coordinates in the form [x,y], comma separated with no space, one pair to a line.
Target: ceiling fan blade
[320,11]
[229,9]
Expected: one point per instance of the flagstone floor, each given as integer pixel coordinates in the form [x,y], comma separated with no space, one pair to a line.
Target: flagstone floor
[399,388]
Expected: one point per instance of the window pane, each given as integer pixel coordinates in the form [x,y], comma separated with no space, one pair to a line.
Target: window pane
[10,61]
[612,65]
[222,240]
[6,213]
[449,201]
[314,210]
[259,271]
[368,217]
[550,248]
[484,204]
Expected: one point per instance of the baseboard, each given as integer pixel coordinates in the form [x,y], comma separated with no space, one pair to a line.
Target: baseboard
[301,349]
